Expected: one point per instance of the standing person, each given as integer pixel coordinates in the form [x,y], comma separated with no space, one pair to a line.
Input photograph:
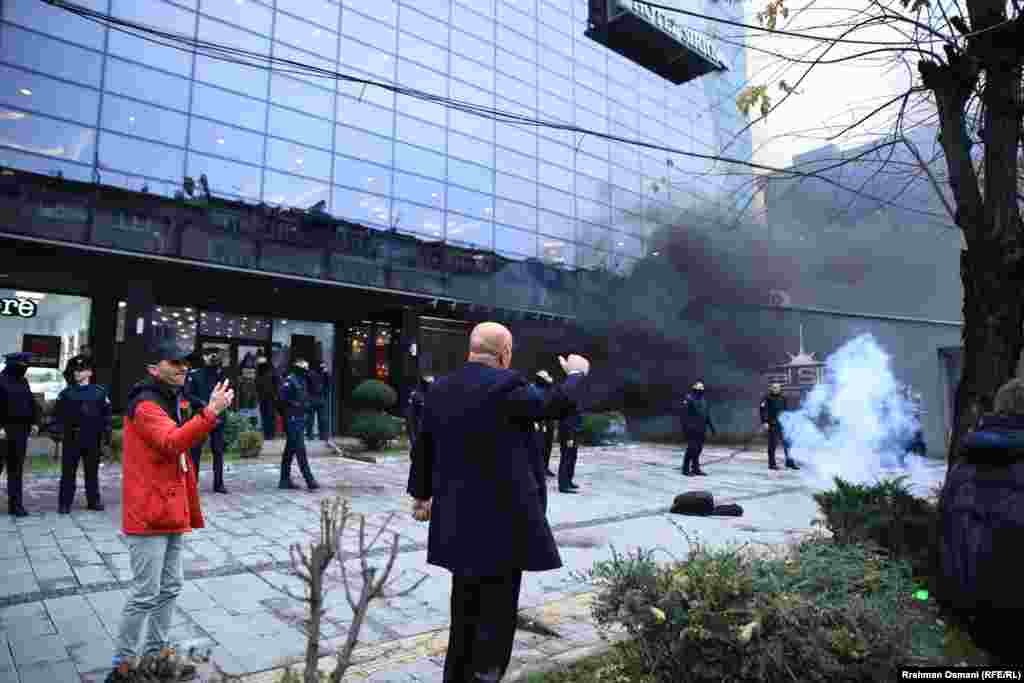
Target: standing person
[82,419]
[772,405]
[317,408]
[414,411]
[472,476]
[161,505]
[547,426]
[20,416]
[267,388]
[696,420]
[295,399]
[198,389]
[568,432]
[981,512]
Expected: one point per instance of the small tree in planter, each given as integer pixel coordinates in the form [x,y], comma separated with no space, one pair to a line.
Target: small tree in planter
[250,444]
[371,423]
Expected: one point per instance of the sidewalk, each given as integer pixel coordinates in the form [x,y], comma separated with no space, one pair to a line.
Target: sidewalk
[63,578]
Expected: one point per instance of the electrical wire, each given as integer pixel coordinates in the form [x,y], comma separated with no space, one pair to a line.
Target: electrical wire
[265,62]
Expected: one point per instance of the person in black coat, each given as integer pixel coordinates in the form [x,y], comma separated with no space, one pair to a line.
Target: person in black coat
[547,427]
[981,513]
[20,416]
[317,409]
[199,387]
[414,411]
[696,420]
[295,399]
[82,419]
[474,474]
[267,389]
[773,405]
[568,447]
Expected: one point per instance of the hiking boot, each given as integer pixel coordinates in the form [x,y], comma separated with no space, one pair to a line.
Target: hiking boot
[169,666]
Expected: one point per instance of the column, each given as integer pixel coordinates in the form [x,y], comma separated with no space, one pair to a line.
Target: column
[139,303]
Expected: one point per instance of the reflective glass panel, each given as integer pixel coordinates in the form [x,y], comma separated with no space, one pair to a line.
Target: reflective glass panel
[469,175]
[423,26]
[426,111]
[468,231]
[226,177]
[473,47]
[121,153]
[516,188]
[516,42]
[47,96]
[224,140]
[362,175]
[553,200]
[365,115]
[143,120]
[44,165]
[418,219]
[512,17]
[470,149]
[381,10]
[245,13]
[516,241]
[158,13]
[555,224]
[48,137]
[557,252]
[368,30]
[420,133]
[50,56]
[292,191]
[471,72]
[473,22]
[225,34]
[320,11]
[517,91]
[328,63]
[419,160]
[219,104]
[299,127]
[309,37]
[468,93]
[470,203]
[593,211]
[479,127]
[151,54]
[439,9]
[508,161]
[361,207]
[517,66]
[515,214]
[368,59]
[556,176]
[299,95]
[516,137]
[238,78]
[422,52]
[413,75]
[356,143]
[56,21]
[298,159]
[420,190]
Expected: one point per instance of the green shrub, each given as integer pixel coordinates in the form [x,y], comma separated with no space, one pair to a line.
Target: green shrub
[250,444]
[373,395]
[726,615]
[595,428]
[234,424]
[886,515]
[116,445]
[374,429]
[117,421]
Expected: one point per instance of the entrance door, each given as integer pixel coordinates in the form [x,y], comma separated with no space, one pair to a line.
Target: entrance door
[235,354]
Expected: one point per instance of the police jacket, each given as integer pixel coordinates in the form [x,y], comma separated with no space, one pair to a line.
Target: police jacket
[295,394]
[200,383]
[414,412]
[266,382]
[315,384]
[982,528]
[82,414]
[477,458]
[17,405]
[772,405]
[693,411]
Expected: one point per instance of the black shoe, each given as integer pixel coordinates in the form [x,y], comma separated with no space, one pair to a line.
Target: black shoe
[17,510]
[63,509]
[287,485]
[550,473]
[220,489]
[687,473]
[773,467]
[96,506]
[573,486]
[700,473]
[312,486]
[792,465]
[561,490]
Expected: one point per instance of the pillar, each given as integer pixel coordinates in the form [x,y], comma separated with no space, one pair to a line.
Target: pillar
[139,302]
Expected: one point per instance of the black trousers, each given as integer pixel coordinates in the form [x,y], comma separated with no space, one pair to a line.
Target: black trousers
[318,410]
[483,626]
[567,462]
[549,443]
[17,445]
[72,452]
[217,446]
[775,437]
[694,446]
[295,446]
[267,418]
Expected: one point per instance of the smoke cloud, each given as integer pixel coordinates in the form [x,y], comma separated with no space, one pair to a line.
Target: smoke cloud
[856,424]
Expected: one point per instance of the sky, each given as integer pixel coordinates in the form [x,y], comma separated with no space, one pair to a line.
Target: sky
[829,95]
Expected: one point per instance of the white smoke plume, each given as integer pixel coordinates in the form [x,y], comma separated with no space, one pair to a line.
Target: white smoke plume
[856,423]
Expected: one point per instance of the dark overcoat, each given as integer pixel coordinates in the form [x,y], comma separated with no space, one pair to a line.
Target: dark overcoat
[477,458]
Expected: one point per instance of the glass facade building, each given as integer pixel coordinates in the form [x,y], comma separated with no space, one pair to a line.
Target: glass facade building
[94,104]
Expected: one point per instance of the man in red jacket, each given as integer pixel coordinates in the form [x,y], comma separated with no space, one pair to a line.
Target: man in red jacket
[160,504]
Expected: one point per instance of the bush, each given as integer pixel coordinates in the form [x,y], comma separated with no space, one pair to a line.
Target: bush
[886,515]
[117,421]
[599,428]
[116,445]
[373,396]
[234,425]
[726,615]
[375,428]
[250,444]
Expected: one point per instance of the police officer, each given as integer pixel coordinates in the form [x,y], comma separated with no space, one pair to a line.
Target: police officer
[19,416]
[414,411]
[198,388]
[295,401]
[772,405]
[546,427]
[568,429]
[317,386]
[81,420]
[696,420]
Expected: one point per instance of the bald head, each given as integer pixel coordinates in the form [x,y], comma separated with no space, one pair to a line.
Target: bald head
[491,344]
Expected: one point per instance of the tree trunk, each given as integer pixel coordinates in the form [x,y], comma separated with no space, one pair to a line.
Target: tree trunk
[993,333]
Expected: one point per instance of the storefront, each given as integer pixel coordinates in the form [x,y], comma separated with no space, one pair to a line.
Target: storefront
[52,326]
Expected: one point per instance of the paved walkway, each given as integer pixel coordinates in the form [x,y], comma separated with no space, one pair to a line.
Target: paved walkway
[63,578]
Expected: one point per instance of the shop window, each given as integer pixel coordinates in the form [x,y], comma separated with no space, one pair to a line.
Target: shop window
[178,323]
[382,362]
[66,213]
[358,337]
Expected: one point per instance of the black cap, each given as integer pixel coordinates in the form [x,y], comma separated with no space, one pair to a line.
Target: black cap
[21,357]
[167,349]
[80,362]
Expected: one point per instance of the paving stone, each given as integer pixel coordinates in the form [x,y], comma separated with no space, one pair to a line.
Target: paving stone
[90,575]
[6,659]
[26,621]
[37,649]
[50,672]
[82,558]
[18,584]
[91,652]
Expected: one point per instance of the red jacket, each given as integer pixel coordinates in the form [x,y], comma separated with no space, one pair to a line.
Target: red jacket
[159,497]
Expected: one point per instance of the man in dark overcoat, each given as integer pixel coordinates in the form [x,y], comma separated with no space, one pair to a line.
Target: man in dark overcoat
[475,475]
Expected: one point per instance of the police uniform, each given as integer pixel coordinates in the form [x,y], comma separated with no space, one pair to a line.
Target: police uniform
[568,431]
[696,420]
[18,413]
[81,420]
[772,405]
[295,401]
[198,389]
[546,428]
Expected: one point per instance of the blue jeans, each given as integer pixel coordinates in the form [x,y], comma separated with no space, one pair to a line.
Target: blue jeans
[157,578]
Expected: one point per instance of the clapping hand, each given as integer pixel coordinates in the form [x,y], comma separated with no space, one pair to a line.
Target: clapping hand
[221,398]
[421,510]
[574,363]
